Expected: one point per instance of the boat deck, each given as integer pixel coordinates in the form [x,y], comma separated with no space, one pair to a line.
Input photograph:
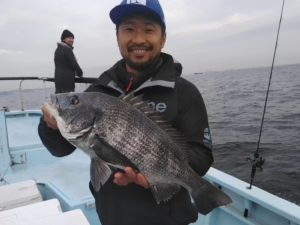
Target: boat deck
[70,170]
[39,165]
[65,178]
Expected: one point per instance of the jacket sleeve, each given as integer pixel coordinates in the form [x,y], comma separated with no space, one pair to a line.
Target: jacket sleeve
[73,62]
[193,123]
[53,140]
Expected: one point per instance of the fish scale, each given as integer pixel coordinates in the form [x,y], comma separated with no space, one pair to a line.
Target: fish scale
[150,166]
[126,132]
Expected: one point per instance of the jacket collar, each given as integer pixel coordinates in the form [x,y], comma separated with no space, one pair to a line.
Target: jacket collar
[64,44]
[164,77]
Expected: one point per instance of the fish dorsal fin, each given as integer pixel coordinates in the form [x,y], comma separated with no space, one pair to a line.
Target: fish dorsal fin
[157,117]
[138,102]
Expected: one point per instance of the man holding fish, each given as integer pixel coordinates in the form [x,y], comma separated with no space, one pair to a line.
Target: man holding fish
[144,126]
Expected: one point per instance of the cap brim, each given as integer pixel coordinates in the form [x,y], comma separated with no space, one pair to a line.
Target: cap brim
[121,11]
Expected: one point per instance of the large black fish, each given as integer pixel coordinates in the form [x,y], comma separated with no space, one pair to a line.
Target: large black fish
[118,132]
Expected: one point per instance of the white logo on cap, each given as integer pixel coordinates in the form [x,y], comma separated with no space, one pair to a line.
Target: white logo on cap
[142,2]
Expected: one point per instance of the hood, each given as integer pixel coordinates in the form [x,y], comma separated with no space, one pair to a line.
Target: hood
[168,70]
[164,76]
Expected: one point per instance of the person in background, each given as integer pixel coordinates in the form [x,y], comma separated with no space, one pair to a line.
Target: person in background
[126,199]
[66,65]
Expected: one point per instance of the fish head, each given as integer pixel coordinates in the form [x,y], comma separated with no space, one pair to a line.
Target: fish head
[74,112]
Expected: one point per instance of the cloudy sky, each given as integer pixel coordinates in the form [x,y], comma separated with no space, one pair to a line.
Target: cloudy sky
[202,34]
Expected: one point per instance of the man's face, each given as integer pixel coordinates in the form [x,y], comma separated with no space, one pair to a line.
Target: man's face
[140,41]
[69,41]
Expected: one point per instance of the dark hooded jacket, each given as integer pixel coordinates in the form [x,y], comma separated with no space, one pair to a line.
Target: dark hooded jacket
[181,103]
[66,68]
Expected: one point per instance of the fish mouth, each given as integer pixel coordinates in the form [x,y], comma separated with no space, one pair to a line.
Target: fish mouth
[53,98]
[51,109]
[65,127]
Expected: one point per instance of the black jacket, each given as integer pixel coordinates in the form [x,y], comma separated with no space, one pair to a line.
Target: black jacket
[66,68]
[182,104]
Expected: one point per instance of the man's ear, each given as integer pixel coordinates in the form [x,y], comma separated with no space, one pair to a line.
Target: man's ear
[117,36]
[163,40]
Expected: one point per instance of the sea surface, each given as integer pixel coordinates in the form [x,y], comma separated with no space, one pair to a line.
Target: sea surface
[235,101]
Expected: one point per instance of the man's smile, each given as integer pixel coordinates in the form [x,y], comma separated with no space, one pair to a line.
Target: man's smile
[137,49]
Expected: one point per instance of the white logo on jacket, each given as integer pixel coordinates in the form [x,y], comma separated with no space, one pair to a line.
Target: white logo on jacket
[160,106]
[142,2]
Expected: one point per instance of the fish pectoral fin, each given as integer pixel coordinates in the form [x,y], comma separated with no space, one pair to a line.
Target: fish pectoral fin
[109,154]
[116,166]
[164,192]
[100,173]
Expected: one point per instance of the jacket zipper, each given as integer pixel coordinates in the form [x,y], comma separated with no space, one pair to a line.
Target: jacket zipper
[129,86]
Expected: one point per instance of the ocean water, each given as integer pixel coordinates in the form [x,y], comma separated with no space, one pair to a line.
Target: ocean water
[234,101]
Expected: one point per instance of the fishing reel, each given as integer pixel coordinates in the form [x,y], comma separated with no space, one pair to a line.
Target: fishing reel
[256,162]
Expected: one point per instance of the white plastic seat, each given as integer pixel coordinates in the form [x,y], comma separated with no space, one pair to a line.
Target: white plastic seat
[29,213]
[73,217]
[19,194]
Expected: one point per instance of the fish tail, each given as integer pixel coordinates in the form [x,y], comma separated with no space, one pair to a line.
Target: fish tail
[207,196]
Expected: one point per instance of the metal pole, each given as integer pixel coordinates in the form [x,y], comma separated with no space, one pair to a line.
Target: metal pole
[20,93]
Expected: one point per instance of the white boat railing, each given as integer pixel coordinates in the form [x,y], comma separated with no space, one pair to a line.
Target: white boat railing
[85,80]
[4,152]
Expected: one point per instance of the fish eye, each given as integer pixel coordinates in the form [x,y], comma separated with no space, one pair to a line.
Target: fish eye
[74,100]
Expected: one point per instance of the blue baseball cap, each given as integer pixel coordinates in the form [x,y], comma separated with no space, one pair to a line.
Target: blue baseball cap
[127,8]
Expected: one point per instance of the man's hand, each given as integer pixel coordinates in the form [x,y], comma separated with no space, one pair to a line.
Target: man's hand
[130,176]
[49,119]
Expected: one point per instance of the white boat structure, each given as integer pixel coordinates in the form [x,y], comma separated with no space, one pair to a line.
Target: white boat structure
[37,188]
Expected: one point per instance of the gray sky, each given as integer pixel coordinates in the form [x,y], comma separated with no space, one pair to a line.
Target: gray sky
[202,34]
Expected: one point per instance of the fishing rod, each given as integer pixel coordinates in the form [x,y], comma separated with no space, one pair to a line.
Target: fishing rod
[258,161]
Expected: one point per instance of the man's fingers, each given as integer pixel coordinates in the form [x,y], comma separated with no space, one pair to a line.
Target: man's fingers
[130,176]
[121,179]
[141,180]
